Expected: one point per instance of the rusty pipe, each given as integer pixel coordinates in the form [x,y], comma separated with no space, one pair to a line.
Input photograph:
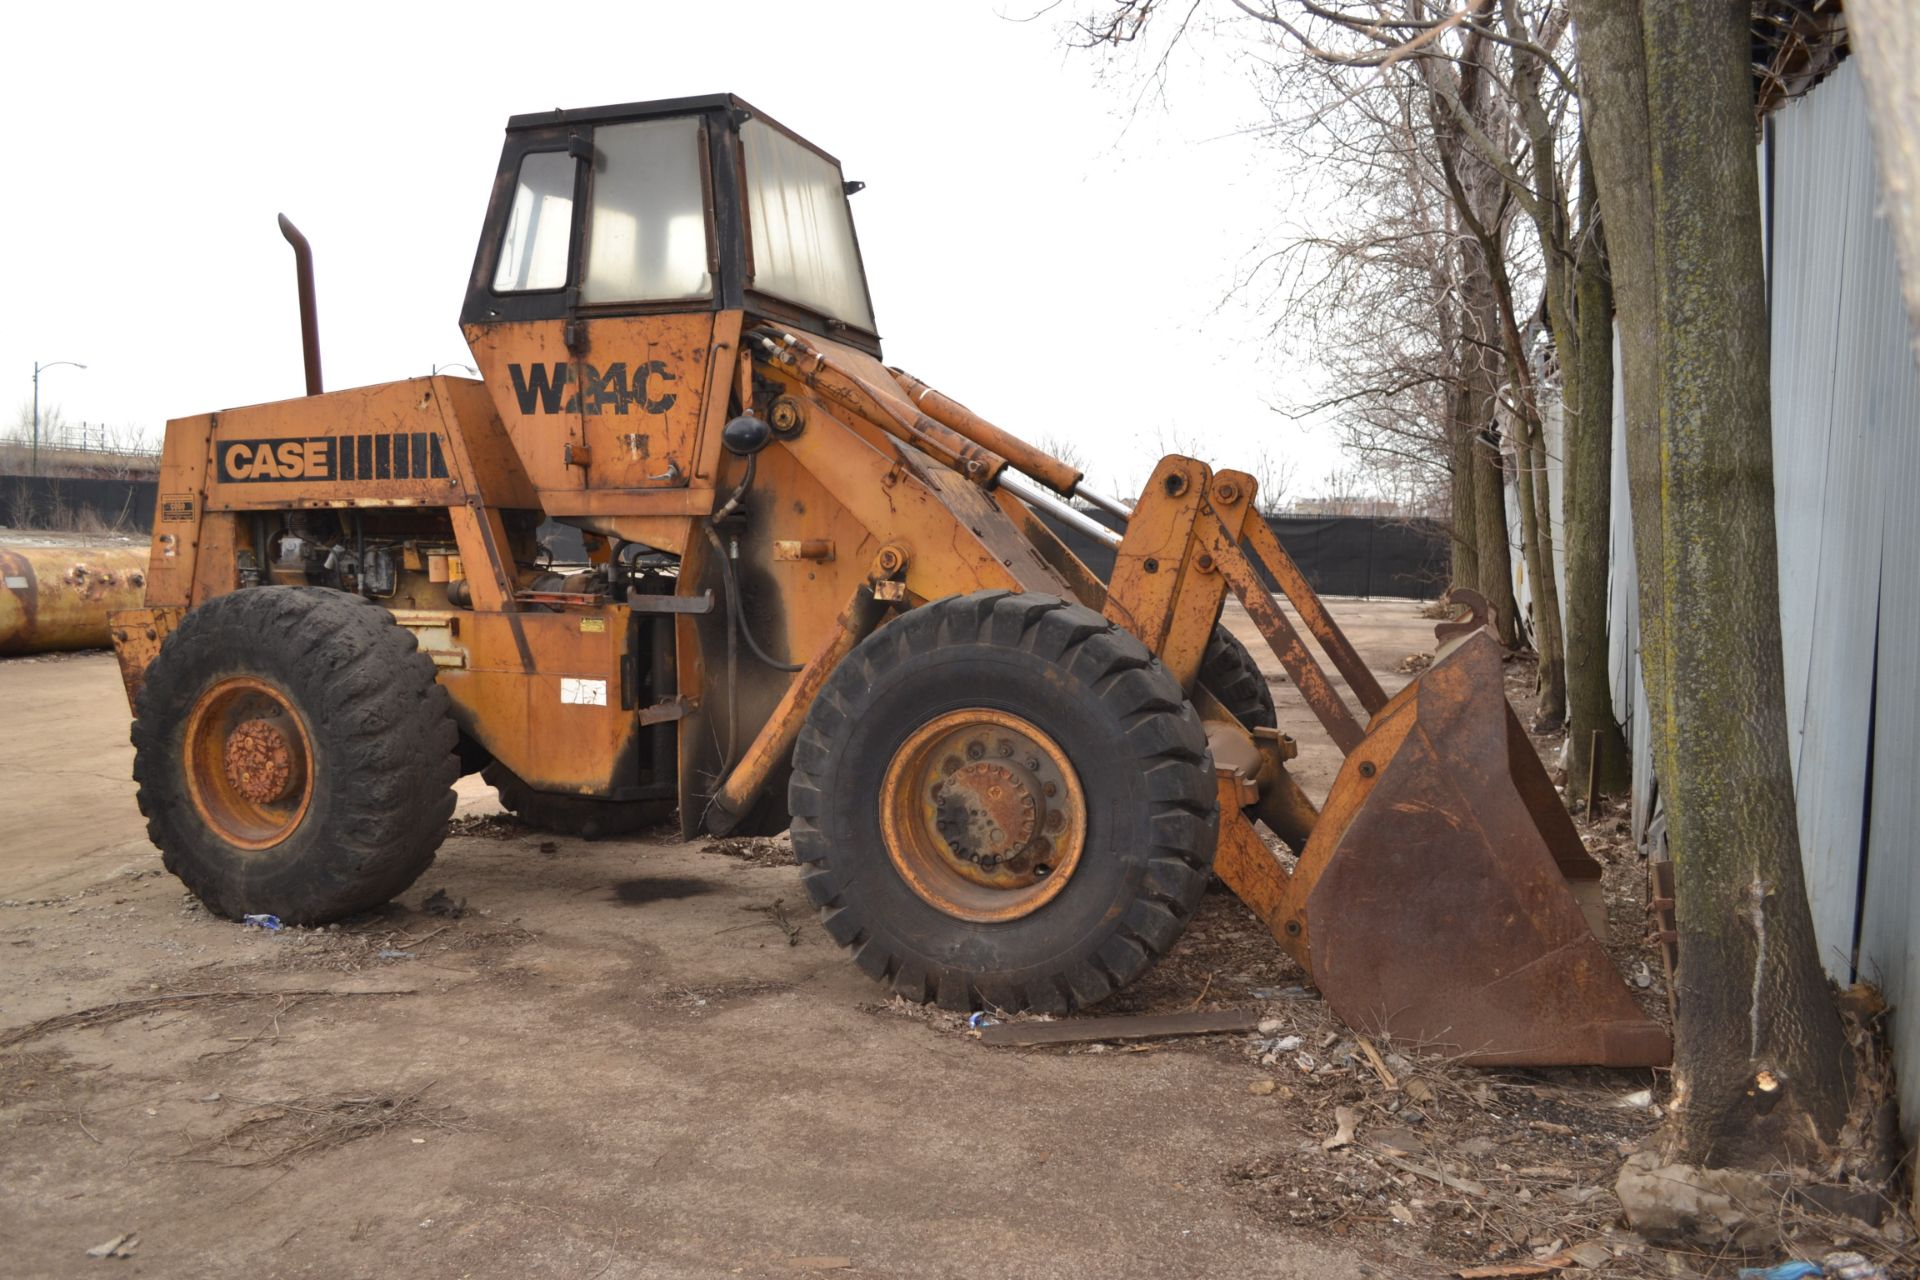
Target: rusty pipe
[309,309]
[54,598]
[950,413]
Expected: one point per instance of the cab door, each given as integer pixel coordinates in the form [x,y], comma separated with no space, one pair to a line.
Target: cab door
[596,335]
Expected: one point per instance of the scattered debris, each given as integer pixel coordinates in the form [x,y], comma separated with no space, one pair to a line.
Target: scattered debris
[120,1246]
[761,851]
[1344,1119]
[442,903]
[1261,1088]
[1841,1265]
[1414,663]
[1434,1175]
[1404,1142]
[776,912]
[1140,1027]
[261,921]
[273,1132]
[1684,1206]
[1379,1066]
[1592,1255]
[980,1021]
[488,826]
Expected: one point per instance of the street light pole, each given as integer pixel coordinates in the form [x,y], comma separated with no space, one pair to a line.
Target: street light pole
[37,367]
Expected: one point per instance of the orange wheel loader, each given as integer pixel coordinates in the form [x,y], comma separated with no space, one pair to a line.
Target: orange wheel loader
[818,594]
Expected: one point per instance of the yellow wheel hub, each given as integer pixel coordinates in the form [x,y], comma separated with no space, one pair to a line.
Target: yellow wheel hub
[983,815]
[248,762]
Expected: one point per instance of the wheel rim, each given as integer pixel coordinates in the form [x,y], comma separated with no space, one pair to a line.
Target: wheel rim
[983,815]
[249,763]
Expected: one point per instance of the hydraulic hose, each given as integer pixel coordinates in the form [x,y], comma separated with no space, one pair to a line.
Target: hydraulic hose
[736,619]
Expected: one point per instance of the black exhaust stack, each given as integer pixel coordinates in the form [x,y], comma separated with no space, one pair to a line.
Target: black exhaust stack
[309,313]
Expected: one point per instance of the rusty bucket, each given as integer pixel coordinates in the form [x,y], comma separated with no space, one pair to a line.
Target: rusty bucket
[1452,904]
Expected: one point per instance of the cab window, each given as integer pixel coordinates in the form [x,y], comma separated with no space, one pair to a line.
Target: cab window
[533,252]
[802,230]
[647,218]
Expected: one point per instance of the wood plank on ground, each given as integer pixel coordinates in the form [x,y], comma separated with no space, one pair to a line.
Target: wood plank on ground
[1149,1026]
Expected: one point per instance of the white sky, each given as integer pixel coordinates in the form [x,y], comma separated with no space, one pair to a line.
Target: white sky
[1034,247]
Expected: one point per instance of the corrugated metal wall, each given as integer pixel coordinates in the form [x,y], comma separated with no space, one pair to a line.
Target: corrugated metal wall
[1847,401]
[1846,439]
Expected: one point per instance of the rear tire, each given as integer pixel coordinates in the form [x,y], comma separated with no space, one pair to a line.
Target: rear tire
[587,817]
[294,755]
[1231,675]
[1074,689]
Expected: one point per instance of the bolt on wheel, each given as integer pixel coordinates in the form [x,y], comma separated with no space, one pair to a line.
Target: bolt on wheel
[248,762]
[982,814]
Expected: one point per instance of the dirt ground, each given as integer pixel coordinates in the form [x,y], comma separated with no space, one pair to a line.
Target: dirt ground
[644,1058]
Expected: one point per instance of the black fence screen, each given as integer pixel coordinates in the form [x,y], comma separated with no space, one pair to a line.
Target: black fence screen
[1340,555]
[71,502]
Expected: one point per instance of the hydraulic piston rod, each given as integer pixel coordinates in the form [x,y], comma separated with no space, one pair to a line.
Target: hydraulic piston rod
[1061,510]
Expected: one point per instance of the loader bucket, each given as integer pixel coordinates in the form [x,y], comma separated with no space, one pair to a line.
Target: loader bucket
[1450,901]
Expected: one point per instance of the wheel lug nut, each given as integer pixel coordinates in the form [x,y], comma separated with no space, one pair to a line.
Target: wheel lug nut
[1042,870]
[1050,790]
[1056,820]
[975,751]
[1033,764]
[1006,749]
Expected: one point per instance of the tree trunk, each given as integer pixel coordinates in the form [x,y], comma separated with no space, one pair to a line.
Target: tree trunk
[1539,573]
[1551,712]
[1761,1065]
[1586,469]
[1480,373]
[1490,517]
[1465,540]
[1530,456]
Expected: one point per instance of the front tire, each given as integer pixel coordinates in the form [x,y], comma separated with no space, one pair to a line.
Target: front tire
[294,755]
[1003,801]
[1231,675]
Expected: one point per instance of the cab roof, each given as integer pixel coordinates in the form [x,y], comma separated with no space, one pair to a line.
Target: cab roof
[695,105]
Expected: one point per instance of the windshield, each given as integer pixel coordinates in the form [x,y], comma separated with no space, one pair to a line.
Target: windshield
[802,230]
